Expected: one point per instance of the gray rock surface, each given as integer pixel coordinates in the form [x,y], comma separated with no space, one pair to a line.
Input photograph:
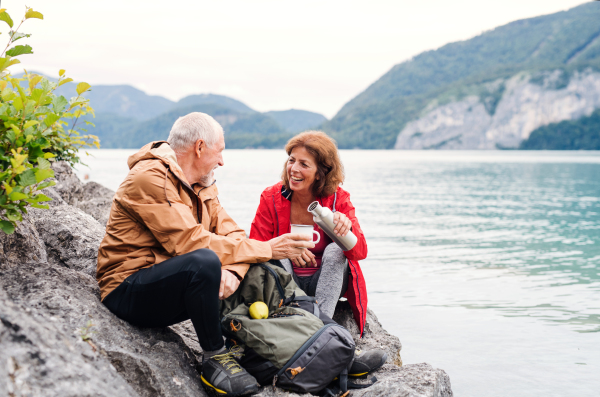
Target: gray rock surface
[522,106]
[58,339]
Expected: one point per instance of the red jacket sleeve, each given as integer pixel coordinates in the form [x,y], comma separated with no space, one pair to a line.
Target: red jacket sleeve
[344,205]
[263,225]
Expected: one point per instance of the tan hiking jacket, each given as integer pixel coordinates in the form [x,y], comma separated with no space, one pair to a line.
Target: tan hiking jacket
[156,215]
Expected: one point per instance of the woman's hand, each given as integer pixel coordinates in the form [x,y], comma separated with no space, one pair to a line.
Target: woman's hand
[307,259]
[343,224]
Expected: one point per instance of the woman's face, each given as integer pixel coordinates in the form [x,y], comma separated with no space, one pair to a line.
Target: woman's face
[301,170]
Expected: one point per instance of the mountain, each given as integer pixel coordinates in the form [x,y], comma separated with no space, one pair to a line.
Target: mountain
[295,120]
[129,118]
[549,51]
[583,133]
[221,100]
[241,129]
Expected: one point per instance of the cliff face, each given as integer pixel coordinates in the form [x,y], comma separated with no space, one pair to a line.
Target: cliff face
[505,114]
[58,339]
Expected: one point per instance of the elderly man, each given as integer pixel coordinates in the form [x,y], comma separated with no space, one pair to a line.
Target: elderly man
[171,251]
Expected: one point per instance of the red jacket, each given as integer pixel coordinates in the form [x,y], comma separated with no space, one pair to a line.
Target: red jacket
[272,219]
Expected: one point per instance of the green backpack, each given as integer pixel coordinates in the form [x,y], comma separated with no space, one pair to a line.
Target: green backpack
[296,348]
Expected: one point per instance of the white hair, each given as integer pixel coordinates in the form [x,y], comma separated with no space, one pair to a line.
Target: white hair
[188,129]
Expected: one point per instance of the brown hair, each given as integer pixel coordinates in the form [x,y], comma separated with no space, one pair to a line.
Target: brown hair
[330,171]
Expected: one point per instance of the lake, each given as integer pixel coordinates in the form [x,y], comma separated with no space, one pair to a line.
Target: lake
[484,264]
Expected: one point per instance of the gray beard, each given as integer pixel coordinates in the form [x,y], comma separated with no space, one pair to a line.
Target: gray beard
[207,180]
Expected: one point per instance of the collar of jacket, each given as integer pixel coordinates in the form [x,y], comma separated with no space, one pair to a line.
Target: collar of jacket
[286,193]
[161,150]
[324,201]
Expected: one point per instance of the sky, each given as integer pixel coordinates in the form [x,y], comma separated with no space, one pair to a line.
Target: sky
[271,54]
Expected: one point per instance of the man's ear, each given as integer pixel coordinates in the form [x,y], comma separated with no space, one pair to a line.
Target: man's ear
[199,147]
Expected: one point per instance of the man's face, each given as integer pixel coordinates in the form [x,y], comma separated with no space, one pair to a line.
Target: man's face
[209,160]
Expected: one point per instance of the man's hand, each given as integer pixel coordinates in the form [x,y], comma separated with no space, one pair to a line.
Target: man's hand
[229,283]
[290,246]
[307,259]
[342,224]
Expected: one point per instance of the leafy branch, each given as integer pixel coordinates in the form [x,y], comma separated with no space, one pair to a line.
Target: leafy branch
[32,130]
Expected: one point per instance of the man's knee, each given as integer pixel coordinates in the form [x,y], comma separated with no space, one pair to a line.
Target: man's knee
[206,264]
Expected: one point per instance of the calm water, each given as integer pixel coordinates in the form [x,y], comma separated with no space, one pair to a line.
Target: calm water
[485,264]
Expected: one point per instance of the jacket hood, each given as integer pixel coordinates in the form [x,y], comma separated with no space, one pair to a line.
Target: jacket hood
[158,150]
[161,150]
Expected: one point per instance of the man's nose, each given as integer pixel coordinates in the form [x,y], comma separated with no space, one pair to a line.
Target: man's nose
[221,161]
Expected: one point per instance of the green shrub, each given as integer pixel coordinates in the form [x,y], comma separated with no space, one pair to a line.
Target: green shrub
[36,128]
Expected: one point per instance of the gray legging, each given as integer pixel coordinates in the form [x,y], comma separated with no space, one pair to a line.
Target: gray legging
[329,283]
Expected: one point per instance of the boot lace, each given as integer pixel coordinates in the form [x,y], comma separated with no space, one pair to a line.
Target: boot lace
[227,360]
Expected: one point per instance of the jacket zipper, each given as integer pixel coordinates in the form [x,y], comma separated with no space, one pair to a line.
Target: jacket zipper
[276,215]
[359,296]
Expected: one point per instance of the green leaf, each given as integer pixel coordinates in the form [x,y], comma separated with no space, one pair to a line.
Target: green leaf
[83,87]
[42,206]
[18,103]
[27,178]
[45,185]
[49,155]
[14,216]
[43,164]
[40,175]
[16,196]
[7,227]
[65,81]
[33,14]
[61,72]
[19,50]
[51,119]
[41,197]
[17,36]
[35,151]
[6,18]
[30,123]
[59,103]
[8,94]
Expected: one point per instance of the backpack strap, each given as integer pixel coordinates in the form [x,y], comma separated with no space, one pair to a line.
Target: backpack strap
[344,380]
[312,299]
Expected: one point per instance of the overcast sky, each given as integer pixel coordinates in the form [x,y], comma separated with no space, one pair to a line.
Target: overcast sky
[271,54]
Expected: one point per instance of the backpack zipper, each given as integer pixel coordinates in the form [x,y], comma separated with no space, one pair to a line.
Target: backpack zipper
[304,347]
[277,281]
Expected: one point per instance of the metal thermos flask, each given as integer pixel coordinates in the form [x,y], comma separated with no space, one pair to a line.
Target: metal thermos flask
[324,218]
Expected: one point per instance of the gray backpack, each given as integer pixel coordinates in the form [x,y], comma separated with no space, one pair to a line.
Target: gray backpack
[296,348]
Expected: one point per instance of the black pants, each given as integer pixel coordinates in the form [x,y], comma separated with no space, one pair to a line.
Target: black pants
[180,288]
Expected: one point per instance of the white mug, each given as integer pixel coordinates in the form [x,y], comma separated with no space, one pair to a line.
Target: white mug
[306,230]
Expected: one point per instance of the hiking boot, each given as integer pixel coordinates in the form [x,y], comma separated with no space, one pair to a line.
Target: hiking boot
[223,376]
[366,362]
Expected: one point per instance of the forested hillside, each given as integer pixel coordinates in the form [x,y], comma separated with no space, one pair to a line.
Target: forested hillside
[580,134]
[569,41]
[127,117]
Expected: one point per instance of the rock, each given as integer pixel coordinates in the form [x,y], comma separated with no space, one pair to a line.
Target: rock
[58,339]
[23,246]
[92,198]
[71,236]
[96,201]
[413,380]
[37,358]
[503,118]
[154,362]
[374,336]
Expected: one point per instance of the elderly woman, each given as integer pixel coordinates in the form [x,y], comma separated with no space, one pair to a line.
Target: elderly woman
[313,171]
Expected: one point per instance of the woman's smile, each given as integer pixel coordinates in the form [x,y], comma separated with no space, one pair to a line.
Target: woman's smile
[301,169]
